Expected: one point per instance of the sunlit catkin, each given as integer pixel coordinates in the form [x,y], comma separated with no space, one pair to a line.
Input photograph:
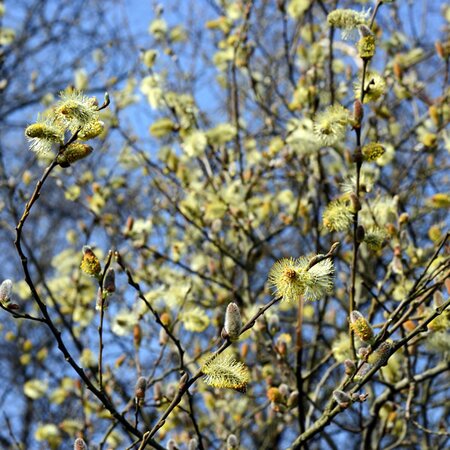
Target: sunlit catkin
[361,326]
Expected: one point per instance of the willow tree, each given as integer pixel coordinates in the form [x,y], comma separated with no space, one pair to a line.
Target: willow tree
[244,244]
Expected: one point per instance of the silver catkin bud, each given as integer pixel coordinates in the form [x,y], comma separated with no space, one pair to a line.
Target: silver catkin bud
[99,300]
[79,444]
[342,398]
[5,291]
[381,355]
[362,372]
[193,444]
[233,322]
[139,390]
[350,367]
[364,31]
[109,284]
[157,392]
[293,399]
[171,445]
[232,442]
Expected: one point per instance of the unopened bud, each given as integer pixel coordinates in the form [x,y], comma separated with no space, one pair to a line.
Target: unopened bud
[139,390]
[439,49]
[284,389]
[341,398]
[381,355]
[193,444]
[293,399]
[101,302]
[109,284]
[356,204]
[362,372]
[232,442]
[233,322]
[398,70]
[172,445]
[360,397]
[157,392]
[244,350]
[361,326]
[13,306]
[129,225]
[137,335]
[365,31]
[350,367]
[79,444]
[363,352]
[438,299]
[183,380]
[5,291]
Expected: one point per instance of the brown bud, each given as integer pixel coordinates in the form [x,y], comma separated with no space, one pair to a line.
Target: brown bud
[183,380]
[233,322]
[120,360]
[157,392]
[129,224]
[381,355]
[139,390]
[342,398]
[358,113]
[137,335]
[362,372]
[439,49]
[350,367]
[244,350]
[13,307]
[356,204]
[398,71]
[447,285]
[109,283]
[293,399]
